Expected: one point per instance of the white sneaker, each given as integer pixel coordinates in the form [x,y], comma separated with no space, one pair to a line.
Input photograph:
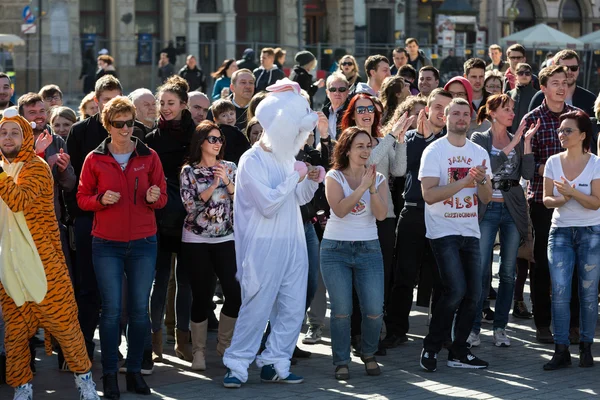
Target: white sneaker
[500,338]
[24,392]
[313,335]
[86,386]
[473,340]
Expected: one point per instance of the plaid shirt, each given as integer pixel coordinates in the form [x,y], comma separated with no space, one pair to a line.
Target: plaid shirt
[544,144]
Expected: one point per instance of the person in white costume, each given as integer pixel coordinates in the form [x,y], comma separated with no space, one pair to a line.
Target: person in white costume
[270,245]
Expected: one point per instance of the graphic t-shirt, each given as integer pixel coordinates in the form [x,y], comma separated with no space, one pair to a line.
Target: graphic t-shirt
[359,224]
[458,214]
[572,213]
[504,171]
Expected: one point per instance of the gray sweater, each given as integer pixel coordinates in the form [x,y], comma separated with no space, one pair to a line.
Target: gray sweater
[390,158]
[524,167]
[63,181]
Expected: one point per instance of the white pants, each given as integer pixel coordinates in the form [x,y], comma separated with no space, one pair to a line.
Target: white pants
[280,299]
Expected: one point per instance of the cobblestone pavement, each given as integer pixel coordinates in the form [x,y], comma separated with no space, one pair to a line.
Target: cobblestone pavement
[514,373]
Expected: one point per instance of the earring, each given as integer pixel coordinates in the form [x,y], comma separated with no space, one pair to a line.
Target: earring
[494,120]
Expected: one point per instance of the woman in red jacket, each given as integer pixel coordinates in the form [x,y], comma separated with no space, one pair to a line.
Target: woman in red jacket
[123,182]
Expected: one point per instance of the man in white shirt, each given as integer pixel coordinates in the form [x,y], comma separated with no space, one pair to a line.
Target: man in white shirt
[454,177]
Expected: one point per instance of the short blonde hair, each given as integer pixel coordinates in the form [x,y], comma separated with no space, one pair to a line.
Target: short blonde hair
[84,102]
[64,112]
[117,106]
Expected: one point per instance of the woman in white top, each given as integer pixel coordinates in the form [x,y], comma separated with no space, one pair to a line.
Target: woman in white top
[207,186]
[350,251]
[572,188]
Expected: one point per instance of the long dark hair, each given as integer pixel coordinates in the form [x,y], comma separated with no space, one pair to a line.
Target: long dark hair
[389,89]
[222,70]
[348,118]
[343,146]
[200,134]
[584,124]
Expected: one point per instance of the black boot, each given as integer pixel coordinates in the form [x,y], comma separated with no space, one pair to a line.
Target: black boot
[560,359]
[585,355]
[2,369]
[136,383]
[110,385]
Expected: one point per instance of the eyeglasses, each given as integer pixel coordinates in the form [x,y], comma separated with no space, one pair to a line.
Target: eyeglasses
[347,63]
[573,68]
[515,58]
[492,87]
[524,73]
[214,139]
[365,109]
[340,89]
[121,124]
[565,131]
[54,98]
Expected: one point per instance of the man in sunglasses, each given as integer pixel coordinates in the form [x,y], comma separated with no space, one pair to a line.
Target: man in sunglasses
[522,93]
[337,93]
[576,95]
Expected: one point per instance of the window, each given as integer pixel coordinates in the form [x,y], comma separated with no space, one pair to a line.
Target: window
[206,6]
[257,21]
[526,17]
[571,18]
[92,18]
[147,17]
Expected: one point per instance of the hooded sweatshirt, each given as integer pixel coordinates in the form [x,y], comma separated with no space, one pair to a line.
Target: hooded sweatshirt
[266,78]
[473,127]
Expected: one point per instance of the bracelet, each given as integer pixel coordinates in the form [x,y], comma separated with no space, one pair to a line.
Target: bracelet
[375,192]
[228,183]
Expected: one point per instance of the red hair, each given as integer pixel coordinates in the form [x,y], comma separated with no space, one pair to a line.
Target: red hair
[348,118]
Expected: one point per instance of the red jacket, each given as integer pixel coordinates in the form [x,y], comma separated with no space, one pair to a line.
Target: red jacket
[132,217]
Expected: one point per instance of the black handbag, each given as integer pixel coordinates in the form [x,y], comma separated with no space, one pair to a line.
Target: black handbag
[170,218]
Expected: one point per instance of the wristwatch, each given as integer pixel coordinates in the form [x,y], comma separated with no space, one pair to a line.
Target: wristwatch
[483,181]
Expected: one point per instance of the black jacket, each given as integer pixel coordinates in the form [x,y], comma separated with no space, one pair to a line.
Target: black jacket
[266,78]
[340,114]
[314,157]
[85,136]
[582,99]
[522,96]
[305,80]
[194,77]
[246,64]
[236,143]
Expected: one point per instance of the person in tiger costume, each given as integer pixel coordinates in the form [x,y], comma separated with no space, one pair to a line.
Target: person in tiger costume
[35,288]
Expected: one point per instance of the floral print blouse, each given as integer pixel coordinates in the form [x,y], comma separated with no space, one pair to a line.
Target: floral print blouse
[214,218]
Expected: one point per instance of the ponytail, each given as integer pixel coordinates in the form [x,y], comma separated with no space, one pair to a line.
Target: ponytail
[482,114]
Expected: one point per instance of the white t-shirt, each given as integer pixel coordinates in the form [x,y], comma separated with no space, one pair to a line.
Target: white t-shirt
[360,223]
[572,213]
[458,214]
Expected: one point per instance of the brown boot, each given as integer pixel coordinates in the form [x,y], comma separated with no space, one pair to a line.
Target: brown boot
[225,333]
[157,346]
[183,347]
[199,332]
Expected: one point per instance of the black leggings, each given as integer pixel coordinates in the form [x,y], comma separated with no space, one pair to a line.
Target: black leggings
[201,261]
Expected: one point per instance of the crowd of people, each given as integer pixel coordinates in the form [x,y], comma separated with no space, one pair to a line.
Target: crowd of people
[128,222]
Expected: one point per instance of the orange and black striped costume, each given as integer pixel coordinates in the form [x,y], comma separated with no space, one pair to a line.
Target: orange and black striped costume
[32,193]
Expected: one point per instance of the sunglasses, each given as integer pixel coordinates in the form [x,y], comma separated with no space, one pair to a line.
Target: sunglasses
[340,89]
[214,139]
[573,68]
[347,63]
[121,124]
[524,73]
[364,109]
[515,58]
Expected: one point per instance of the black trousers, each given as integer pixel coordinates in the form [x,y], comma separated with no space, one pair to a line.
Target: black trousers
[201,261]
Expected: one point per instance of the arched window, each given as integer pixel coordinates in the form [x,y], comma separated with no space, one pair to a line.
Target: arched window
[526,17]
[571,18]
[206,6]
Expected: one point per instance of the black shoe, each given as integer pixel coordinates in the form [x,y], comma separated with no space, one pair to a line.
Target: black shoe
[392,340]
[428,360]
[493,294]
[468,361]
[585,355]
[299,353]
[355,343]
[560,359]
[520,310]
[488,316]
[544,335]
[2,369]
[110,387]
[147,363]
[213,322]
[136,383]
[381,350]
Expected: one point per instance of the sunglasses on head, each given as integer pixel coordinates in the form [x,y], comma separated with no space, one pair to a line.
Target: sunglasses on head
[573,68]
[214,139]
[524,73]
[364,109]
[347,63]
[341,89]
[121,124]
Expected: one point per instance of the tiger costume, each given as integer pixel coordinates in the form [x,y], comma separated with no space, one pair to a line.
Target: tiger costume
[35,288]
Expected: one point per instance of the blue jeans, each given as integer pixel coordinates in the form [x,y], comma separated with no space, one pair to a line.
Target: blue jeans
[136,259]
[459,263]
[567,246]
[497,217]
[312,244]
[342,264]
